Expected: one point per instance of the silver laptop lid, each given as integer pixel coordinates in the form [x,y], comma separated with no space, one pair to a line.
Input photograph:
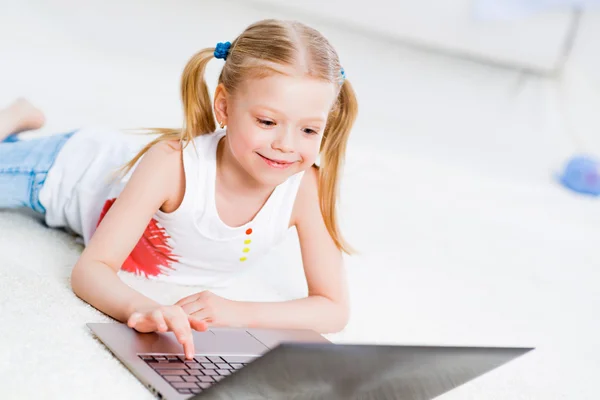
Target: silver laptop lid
[328,371]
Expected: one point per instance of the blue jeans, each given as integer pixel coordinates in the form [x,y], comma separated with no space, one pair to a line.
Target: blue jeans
[24,165]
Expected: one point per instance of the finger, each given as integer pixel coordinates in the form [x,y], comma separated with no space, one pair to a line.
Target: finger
[159,321]
[180,326]
[201,314]
[198,324]
[193,307]
[133,319]
[188,348]
[141,323]
[189,299]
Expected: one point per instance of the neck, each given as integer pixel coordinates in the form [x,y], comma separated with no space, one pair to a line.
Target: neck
[233,179]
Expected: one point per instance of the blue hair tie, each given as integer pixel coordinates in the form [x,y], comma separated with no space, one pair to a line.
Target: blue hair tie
[222,50]
[343,74]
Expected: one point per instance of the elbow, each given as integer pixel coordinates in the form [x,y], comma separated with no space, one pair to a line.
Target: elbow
[76,278]
[337,320]
[342,319]
[82,275]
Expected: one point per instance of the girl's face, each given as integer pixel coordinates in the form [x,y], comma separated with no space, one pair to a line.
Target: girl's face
[275,125]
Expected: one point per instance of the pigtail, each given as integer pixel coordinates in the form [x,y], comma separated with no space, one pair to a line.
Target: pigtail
[333,149]
[197,107]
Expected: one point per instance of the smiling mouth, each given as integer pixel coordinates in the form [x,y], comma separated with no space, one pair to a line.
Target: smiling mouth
[276,163]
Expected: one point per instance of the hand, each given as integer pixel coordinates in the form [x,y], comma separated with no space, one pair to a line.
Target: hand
[168,318]
[214,310]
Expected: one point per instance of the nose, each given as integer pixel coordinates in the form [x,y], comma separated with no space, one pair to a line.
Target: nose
[284,140]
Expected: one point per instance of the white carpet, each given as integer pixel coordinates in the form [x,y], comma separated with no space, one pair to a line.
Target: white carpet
[448,194]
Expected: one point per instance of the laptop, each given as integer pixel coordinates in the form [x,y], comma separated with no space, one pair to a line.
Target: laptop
[232,363]
[157,359]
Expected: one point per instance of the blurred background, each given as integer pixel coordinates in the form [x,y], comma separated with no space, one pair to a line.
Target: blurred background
[468,111]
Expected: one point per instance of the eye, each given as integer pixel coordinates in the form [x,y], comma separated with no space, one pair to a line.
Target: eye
[265,122]
[310,131]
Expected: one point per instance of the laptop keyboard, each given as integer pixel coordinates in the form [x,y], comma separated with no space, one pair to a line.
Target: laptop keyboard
[192,376]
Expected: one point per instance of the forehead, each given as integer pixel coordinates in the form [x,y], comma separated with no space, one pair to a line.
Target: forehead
[295,96]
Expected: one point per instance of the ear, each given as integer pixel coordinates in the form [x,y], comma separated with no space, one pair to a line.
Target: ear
[220,104]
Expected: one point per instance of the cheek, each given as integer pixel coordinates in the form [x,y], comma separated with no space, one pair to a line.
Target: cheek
[244,142]
[310,150]
[241,148]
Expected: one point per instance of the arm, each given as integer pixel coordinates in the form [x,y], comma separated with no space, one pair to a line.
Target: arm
[326,308]
[94,278]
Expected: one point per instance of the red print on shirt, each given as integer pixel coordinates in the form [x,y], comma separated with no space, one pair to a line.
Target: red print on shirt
[152,254]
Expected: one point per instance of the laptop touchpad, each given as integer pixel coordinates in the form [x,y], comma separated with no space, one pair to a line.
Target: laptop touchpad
[227,341]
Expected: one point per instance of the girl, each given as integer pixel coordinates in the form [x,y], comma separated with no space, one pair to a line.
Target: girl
[197,205]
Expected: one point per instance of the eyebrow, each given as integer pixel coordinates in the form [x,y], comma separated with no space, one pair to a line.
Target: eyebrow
[273,110]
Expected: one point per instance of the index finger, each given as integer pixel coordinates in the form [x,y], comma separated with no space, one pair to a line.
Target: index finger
[188,347]
[180,326]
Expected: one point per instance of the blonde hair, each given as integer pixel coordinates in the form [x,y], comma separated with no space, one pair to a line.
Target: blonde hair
[255,53]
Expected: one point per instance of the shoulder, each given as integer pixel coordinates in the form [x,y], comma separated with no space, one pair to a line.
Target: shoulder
[163,156]
[163,165]
[166,148]
[307,198]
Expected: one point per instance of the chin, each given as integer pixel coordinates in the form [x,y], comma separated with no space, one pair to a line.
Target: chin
[273,180]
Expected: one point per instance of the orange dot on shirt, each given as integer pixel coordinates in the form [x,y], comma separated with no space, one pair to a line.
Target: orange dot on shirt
[248,231]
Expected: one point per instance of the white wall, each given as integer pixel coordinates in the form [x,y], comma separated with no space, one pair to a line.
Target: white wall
[534,42]
[580,87]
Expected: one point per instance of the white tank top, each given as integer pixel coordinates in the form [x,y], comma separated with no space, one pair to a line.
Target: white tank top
[190,246]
